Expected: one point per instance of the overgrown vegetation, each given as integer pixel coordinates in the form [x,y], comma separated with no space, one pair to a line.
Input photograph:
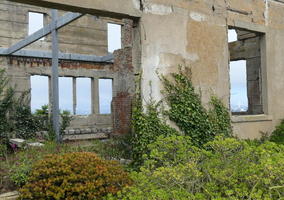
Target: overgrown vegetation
[74,176]
[16,119]
[185,110]
[45,121]
[277,135]
[148,126]
[198,160]
[231,169]
[189,114]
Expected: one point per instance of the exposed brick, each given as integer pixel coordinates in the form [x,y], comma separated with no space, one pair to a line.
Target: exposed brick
[121,106]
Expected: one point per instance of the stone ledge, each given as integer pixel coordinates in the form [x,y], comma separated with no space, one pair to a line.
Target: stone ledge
[9,196]
[86,136]
[251,118]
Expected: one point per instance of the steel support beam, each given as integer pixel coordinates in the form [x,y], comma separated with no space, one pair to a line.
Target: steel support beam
[62,56]
[54,77]
[62,21]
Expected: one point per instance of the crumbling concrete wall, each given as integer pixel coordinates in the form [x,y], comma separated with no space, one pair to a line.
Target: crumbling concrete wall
[194,33]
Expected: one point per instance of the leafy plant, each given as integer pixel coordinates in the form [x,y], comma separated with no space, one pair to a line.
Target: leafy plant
[148,126]
[231,169]
[189,114]
[277,135]
[6,105]
[25,124]
[45,121]
[74,176]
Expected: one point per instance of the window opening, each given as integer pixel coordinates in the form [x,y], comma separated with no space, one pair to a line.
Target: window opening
[114,37]
[39,92]
[105,96]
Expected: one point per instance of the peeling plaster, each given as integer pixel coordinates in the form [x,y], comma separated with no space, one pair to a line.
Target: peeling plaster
[266,12]
[197,16]
[137,4]
[193,57]
[158,9]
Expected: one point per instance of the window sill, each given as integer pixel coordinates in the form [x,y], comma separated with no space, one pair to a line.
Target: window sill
[250,118]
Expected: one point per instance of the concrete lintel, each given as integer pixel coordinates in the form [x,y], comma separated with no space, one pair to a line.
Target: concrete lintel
[62,56]
[106,8]
[248,26]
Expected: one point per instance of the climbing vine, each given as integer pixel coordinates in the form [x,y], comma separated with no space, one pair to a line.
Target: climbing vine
[185,109]
[189,114]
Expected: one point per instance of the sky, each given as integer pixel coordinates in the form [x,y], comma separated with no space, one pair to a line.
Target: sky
[40,89]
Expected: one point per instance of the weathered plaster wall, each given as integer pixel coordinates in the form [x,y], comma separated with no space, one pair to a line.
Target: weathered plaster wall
[194,33]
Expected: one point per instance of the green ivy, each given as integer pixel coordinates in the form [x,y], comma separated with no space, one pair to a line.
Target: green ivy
[277,135]
[148,126]
[189,114]
[185,110]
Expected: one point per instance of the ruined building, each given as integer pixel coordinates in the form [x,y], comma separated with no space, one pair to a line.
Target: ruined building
[156,37]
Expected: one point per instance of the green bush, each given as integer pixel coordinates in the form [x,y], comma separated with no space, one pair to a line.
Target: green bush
[6,106]
[15,113]
[74,176]
[45,121]
[277,135]
[232,169]
[25,124]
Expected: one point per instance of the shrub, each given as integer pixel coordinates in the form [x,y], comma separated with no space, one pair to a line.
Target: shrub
[45,121]
[6,105]
[277,135]
[231,169]
[25,124]
[74,176]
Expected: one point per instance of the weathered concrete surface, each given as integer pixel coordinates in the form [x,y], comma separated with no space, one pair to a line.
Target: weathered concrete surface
[87,35]
[9,196]
[194,33]
[123,8]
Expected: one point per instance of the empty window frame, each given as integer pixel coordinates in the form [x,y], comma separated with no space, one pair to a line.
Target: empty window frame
[114,37]
[83,96]
[105,96]
[36,22]
[66,94]
[245,71]
[39,92]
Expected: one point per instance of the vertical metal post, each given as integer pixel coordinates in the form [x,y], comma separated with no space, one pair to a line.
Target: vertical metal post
[54,77]
[74,95]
